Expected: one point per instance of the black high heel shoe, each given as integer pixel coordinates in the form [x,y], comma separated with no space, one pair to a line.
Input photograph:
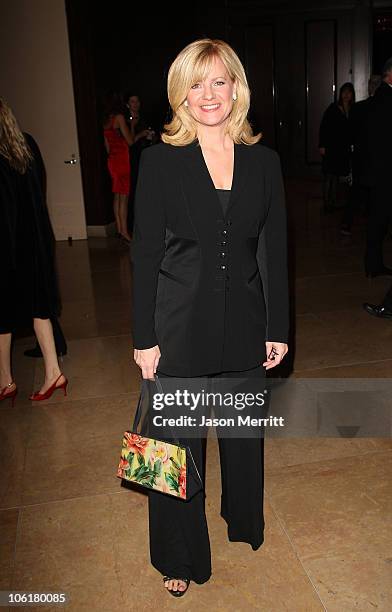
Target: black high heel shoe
[177,593]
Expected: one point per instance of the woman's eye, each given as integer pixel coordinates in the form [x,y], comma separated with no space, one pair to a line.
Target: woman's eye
[219,82]
[195,85]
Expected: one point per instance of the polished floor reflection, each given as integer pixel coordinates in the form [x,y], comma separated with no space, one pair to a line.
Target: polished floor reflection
[67,525]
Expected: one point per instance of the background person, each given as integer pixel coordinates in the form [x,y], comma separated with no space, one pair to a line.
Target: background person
[360,189]
[26,257]
[335,144]
[59,339]
[144,137]
[118,137]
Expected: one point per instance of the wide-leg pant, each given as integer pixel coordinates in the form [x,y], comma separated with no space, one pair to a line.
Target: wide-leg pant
[179,539]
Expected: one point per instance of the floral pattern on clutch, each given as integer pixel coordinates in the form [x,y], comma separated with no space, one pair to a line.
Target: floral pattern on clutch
[154,464]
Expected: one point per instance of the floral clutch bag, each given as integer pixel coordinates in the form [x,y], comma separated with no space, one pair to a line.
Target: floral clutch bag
[155,464]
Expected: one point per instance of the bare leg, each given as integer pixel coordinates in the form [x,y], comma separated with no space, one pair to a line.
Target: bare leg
[44,332]
[123,214]
[5,362]
[116,207]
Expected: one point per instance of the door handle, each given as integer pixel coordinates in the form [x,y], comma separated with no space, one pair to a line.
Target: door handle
[72,161]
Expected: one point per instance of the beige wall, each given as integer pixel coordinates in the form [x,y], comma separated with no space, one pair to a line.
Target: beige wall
[36,80]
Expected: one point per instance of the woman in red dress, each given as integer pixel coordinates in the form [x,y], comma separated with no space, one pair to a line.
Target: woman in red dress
[118,137]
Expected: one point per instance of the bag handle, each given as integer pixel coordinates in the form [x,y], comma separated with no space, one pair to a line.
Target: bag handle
[158,384]
[143,392]
[138,412]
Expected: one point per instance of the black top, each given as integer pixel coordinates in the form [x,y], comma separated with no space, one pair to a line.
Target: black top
[224,196]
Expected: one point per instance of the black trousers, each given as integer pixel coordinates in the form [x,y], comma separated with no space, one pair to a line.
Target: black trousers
[380,213]
[179,539]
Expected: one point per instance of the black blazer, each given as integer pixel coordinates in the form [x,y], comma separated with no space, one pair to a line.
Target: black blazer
[209,289]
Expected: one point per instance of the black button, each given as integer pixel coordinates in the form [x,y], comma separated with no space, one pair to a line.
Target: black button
[223,255]
[223,267]
[223,243]
[224,232]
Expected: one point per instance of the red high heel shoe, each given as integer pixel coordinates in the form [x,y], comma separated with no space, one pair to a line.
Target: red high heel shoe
[38,397]
[11,395]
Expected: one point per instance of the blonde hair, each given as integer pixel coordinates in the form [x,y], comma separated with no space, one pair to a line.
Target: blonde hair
[192,65]
[13,146]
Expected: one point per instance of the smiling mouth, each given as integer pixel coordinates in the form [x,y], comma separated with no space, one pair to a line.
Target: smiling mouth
[210,107]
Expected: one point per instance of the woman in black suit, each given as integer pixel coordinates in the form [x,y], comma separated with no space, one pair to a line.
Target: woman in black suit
[210,292]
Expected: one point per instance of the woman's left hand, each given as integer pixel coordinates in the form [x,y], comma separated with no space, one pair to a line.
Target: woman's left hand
[275,352]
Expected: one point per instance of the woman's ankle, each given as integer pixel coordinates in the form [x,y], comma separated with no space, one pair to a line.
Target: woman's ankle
[52,374]
[8,386]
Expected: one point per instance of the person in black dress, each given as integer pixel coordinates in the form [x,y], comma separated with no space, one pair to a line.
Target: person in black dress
[335,144]
[210,290]
[28,274]
[59,339]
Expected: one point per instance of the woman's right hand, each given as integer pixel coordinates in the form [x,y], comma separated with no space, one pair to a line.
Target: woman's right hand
[147,360]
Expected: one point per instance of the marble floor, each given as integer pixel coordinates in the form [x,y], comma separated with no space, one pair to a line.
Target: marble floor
[66,524]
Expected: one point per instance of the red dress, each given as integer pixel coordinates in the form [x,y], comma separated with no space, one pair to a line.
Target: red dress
[118,159]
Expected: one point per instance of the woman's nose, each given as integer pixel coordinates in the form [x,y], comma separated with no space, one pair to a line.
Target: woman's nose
[208,93]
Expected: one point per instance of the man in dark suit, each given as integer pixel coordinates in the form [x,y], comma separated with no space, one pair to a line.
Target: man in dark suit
[379,137]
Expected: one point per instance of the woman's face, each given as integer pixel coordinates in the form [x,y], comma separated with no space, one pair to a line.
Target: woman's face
[347,96]
[134,103]
[210,101]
